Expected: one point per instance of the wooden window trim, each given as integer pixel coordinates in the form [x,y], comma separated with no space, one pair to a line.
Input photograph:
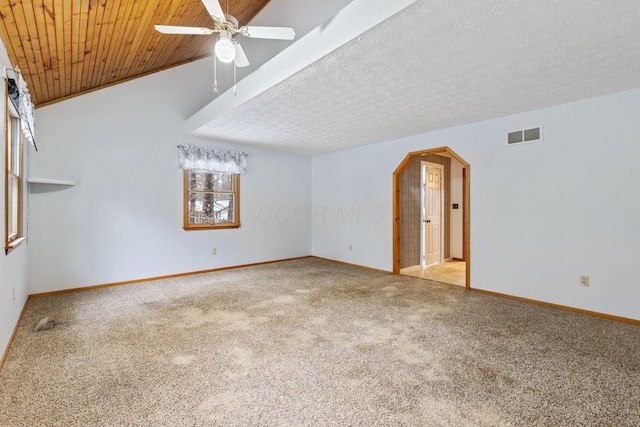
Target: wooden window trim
[11,244]
[196,227]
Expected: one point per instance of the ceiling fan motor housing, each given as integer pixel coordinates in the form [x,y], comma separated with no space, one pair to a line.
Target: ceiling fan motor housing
[225,49]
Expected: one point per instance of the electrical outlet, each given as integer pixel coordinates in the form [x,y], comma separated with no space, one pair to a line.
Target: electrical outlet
[13,294]
[584,280]
[350,247]
[213,251]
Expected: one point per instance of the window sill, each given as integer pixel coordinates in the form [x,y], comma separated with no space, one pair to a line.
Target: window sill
[13,244]
[51,181]
[210,227]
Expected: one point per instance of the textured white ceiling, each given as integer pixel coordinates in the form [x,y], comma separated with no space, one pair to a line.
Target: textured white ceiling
[303,16]
[439,64]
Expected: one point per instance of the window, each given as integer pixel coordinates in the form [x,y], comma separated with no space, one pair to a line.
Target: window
[13,179]
[211,200]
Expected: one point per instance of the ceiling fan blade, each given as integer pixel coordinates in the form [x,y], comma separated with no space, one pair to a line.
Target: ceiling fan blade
[171,29]
[241,58]
[214,8]
[280,33]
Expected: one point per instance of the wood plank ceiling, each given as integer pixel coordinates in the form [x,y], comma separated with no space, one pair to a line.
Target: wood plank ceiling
[69,47]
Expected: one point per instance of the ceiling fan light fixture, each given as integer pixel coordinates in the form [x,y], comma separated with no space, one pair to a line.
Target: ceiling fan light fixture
[225,49]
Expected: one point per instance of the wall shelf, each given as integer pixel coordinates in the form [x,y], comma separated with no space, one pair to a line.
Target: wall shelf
[48,181]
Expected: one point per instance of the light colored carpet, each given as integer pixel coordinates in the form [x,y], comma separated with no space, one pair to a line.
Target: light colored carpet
[314,343]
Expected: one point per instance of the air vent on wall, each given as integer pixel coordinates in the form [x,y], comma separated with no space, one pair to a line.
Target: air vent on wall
[526,135]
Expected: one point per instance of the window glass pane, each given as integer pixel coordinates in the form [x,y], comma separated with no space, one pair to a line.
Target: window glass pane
[15,146]
[201,208]
[224,208]
[211,208]
[223,182]
[200,181]
[205,181]
[10,144]
[12,210]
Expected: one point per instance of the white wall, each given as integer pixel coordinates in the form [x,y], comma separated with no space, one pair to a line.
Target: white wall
[352,206]
[14,266]
[123,221]
[542,214]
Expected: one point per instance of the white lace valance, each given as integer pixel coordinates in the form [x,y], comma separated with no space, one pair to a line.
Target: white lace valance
[212,159]
[26,111]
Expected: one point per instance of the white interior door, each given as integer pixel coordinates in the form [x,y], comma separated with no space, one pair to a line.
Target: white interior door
[432,214]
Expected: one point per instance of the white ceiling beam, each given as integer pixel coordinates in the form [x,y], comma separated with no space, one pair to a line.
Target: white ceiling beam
[352,21]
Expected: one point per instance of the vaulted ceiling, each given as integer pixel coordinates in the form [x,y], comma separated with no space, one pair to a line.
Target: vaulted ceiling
[68,47]
[419,66]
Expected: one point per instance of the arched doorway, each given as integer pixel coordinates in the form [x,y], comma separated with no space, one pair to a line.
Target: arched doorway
[404,209]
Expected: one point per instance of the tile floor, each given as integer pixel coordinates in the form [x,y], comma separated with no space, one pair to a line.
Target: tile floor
[448,272]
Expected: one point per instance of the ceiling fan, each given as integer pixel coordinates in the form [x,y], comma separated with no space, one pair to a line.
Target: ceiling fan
[227,49]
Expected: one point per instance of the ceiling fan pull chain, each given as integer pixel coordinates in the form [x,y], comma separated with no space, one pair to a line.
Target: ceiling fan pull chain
[235,87]
[215,73]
